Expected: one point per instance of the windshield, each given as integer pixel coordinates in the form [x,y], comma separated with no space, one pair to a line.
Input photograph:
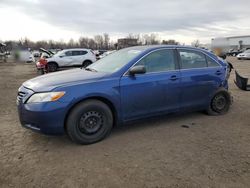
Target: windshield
[247,51]
[116,60]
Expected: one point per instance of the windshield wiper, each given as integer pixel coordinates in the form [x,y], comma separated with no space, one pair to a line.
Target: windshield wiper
[90,69]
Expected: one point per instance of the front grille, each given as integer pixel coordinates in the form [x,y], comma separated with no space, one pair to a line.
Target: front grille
[23,94]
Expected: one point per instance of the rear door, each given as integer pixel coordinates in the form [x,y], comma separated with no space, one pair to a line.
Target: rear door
[79,56]
[157,91]
[199,79]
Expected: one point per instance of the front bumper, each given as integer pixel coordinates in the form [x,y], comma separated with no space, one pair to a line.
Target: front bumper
[46,118]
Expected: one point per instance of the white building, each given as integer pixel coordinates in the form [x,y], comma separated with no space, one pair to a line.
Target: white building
[237,42]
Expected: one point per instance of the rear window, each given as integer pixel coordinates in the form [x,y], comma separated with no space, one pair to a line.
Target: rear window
[192,59]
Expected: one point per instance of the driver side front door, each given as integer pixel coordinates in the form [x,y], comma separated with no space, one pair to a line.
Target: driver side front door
[155,92]
[67,59]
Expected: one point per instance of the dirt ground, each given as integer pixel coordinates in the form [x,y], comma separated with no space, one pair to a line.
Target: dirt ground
[212,152]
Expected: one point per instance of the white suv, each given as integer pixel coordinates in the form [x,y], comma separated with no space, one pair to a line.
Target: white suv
[70,58]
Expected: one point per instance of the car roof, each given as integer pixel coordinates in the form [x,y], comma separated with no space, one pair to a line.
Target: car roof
[76,49]
[155,47]
[152,47]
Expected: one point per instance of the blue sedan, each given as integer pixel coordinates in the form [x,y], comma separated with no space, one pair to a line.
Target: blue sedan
[130,84]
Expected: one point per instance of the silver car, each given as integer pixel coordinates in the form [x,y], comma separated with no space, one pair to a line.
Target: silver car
[244,55]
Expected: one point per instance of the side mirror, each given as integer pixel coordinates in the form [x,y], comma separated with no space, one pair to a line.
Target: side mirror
[139,69]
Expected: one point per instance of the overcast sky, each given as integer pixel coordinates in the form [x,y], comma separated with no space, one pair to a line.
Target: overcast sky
[183,20]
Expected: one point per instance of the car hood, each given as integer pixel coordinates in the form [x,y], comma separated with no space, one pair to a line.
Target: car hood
[52,58]
[51,81]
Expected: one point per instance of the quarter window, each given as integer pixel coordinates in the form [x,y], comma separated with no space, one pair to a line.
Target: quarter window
[158,61]
[192,59]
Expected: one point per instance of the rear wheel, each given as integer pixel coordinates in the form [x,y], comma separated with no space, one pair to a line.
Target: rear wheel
[89,122]
[52,67]
[220,103]
[86,63]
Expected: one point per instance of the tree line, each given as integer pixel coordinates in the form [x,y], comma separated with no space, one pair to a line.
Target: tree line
[96,43]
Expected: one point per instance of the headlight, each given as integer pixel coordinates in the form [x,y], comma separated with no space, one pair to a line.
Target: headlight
[45,97]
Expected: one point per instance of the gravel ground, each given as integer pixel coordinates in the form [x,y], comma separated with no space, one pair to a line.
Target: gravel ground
[212,152]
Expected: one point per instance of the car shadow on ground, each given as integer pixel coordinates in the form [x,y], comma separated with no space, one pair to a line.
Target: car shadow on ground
[181,120]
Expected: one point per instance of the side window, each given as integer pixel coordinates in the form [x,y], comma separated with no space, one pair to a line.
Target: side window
[211,62]
[158,61]
[68,53]
[192,59]
[77,53]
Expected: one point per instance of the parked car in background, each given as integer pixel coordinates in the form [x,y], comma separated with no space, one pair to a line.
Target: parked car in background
[244,55]
[36,54]
[233,52]
[70,58]
[26,56]
[106,53]
[99,53]
[130,84]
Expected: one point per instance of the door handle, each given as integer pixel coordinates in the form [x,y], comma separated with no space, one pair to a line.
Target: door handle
[173,78]
[218,72]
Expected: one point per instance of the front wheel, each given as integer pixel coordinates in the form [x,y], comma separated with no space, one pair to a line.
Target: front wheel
[89,122]
[52,67]
[220,103]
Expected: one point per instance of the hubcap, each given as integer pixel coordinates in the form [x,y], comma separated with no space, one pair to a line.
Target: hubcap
[219,103]
[90,122]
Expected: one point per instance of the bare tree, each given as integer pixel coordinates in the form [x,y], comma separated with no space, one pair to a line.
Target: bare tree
[196,43]
[170,42]
[150,39]
[91,44]
[72,44]
[133,36]
[83,42]
[99,41]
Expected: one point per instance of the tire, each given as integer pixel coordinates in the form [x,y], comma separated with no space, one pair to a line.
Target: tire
[86,63]
[220,103]
[52,67]
[89,122]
